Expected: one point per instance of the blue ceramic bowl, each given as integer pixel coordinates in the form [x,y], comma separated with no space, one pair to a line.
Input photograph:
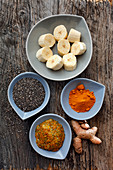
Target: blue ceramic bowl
[63,151]
[24,115]
[97,88]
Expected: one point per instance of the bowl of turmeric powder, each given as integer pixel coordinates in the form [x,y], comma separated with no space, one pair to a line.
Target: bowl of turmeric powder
[82,98]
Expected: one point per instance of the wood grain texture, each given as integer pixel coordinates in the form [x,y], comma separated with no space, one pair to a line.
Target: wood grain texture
[16,19]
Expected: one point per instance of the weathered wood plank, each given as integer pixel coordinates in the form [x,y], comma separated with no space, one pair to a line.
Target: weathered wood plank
[16,19]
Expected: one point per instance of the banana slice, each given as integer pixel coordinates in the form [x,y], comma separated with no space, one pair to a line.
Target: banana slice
[70,62]
[78,48]
[60,32]
[46,40]
[55,62]
[63,47]
[44,54]
[74,35]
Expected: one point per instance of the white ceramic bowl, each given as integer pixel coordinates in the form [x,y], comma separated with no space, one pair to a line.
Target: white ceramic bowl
[47,25]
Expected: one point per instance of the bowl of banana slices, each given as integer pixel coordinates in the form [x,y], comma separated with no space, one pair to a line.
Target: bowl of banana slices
[59,47]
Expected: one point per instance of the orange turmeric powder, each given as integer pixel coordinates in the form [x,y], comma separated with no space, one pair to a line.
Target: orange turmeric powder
[81,100]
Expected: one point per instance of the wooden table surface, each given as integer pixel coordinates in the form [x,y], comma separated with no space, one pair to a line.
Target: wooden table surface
[16,19]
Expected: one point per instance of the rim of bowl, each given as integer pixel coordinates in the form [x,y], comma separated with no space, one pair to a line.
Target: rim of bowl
[78,16]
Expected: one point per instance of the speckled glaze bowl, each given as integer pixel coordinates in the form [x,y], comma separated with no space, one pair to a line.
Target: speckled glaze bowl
[47,25]
[24,115]
[97,88]
[63,151]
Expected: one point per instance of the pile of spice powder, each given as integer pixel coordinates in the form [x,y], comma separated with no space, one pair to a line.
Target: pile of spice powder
[28,94]
[81,100]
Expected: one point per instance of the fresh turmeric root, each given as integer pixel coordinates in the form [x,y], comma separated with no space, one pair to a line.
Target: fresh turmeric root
[84,124]
[83,132]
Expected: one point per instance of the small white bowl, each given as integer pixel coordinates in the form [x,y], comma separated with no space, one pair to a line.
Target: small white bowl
[63,151]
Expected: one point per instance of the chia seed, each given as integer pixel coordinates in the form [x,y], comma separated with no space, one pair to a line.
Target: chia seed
[28,94]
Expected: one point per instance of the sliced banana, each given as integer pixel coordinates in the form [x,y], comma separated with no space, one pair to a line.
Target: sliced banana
[63,47]
[70,62]
[60,32]
[55,62]
[78,48]
[44,54]
[46,40]
[74,35]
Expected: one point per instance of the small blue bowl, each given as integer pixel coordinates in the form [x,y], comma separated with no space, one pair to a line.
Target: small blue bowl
[63,151]
[24,115]
[97,88]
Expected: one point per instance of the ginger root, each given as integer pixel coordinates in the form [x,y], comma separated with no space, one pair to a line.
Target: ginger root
[83,132]
[84,124]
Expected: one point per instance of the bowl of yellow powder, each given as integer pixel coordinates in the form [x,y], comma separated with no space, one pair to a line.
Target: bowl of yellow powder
[82,98]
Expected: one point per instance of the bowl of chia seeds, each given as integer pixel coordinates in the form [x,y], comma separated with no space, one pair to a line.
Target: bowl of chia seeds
[28,94]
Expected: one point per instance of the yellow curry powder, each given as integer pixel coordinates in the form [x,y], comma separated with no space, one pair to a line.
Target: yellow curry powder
[81,100]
